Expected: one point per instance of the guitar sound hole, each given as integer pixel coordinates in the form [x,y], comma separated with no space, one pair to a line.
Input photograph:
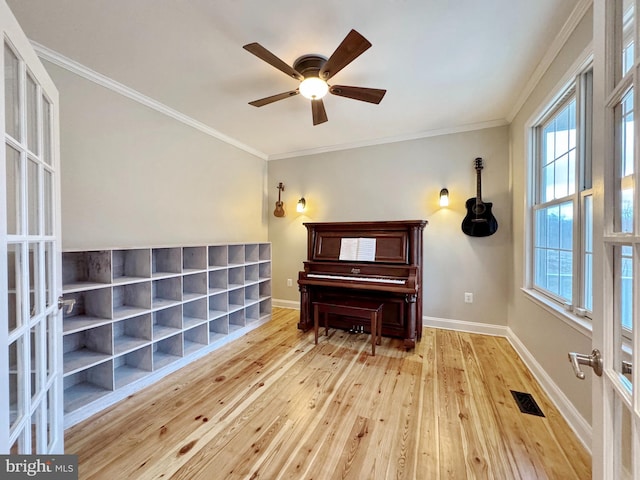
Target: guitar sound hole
[479,209]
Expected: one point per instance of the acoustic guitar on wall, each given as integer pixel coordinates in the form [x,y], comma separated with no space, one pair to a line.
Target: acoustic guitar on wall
[479,221]
[279,211]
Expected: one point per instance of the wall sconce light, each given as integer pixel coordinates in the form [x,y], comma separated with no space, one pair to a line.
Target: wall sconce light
[302,204]
[444,197]
[279,211]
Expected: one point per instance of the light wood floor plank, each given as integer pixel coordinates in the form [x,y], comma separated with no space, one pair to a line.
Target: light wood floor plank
[272,405]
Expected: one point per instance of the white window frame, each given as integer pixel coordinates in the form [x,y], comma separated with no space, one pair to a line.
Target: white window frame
[574,313]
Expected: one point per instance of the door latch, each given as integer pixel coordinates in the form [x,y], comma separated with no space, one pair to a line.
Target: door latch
[594,361]
[66,302]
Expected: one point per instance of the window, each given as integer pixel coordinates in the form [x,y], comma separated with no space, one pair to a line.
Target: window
[561,202]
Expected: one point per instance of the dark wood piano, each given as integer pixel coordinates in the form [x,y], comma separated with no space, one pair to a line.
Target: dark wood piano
[393,276]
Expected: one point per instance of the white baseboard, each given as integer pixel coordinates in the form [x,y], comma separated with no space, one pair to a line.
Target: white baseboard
[285,303]
[463,326]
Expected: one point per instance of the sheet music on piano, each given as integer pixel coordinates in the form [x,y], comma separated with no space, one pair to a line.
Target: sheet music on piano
[361,249]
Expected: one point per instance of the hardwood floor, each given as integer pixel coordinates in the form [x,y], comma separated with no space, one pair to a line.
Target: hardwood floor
[271,405]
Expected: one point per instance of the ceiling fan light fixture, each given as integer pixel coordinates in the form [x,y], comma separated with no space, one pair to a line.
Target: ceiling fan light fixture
[313,88]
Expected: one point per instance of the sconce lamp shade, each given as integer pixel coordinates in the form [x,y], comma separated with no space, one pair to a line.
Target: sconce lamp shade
[444,197]
[302,204]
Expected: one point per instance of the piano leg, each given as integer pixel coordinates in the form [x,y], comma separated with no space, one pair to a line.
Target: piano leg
[305,320]
[410,340]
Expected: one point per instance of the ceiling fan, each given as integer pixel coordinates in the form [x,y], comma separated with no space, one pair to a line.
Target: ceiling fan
[313,71]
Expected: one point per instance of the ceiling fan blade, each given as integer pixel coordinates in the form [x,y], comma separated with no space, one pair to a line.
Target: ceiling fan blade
[318,111]
[351,48]
[273,98]
[264,54]
[371,95]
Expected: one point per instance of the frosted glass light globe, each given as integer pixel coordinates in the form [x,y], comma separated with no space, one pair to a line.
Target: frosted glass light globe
[313,88]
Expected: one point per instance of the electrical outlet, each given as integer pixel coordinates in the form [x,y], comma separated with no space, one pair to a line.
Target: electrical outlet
[468,297]
[289,282]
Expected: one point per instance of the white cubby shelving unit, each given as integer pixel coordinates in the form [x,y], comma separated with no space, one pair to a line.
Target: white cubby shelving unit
[142,313]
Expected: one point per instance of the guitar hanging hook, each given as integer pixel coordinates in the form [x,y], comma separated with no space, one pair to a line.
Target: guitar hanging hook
[279,211]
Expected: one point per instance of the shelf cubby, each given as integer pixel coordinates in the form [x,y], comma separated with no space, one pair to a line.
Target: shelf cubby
[251,274]
[252,313]
[167,351]
[131,299]
[166,262]
[218,257]
[264,289]
[195,338]
[264,270]
[194,313]
[91,308]
[236,320]
[131,333]
[218,305]
[218,281]
[166,292]
[236,277]
[236,299]
[167,322]
[194,286]
[131,265]
[87,386]
[236,254]
[251,253]
[251,294]
[194,259]
[218,328]
[83,270]
[86,348]
[132,366]
[265,307]
[265,252]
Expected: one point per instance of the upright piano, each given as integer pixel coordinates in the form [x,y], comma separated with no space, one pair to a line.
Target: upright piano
[388,270]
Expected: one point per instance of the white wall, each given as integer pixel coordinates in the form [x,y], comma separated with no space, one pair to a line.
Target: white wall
[401,181]
[134,177]
[544,335]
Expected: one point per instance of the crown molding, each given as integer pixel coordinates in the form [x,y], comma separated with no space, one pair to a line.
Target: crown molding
[399,138]
[72,66]
[558,42]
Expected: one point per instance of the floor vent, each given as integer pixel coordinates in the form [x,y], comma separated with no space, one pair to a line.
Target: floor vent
[526,403]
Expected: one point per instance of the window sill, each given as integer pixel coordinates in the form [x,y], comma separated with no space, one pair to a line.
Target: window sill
[581,324]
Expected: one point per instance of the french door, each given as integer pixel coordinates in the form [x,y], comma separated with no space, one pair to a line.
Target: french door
[616,326]
[30,280]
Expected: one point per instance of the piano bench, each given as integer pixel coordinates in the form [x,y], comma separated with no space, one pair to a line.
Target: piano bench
[366,310]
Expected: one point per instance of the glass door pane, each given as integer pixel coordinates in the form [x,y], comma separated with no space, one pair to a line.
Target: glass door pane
[588,253]
[32,115]
[627,19]
[13,191]
[623,312]
[625,157]
[11,93]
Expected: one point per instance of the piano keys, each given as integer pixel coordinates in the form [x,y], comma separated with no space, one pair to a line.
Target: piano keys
[393,276]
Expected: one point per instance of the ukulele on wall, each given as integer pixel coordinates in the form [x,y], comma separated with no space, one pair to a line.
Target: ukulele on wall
[279,211]
[479,221]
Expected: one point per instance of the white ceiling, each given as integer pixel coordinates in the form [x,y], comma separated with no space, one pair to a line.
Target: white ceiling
[446,65]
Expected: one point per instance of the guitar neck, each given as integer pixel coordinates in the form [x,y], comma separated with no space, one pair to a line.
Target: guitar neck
[478,186]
